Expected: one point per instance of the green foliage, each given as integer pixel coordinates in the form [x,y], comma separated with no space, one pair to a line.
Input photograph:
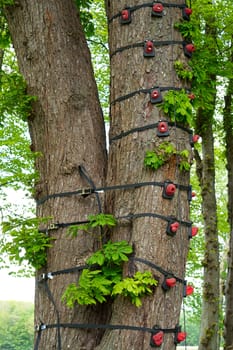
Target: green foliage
[95,285]
[182,72]
[98,45]
[183,160]
[177,105]
[155,159]
[14,100]
[163,153]
[99,220]
[17,160]
[111,253]
[4,33]
[186,28]
[4,3]
[16,325]
[22,241]
[86,16]
[135,287]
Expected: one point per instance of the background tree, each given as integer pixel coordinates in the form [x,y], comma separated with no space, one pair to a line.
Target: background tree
[228,128]
[16,326]
[206,173]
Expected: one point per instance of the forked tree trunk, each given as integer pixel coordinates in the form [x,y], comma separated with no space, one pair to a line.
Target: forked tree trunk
[67,129]
[130,71]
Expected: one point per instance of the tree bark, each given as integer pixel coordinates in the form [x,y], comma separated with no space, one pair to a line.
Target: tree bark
[130,71]
[67,129]
[228,128]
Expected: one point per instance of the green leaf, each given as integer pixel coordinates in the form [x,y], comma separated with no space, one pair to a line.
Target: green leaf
[135,287]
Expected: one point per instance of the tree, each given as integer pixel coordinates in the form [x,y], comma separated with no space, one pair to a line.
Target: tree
[66,109]
[209,337]
[16,326]
[66,128]
[229,147]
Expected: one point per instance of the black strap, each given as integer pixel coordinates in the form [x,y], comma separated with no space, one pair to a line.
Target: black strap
[148,4]
[146,91]
[141,44]
[83,172]
[158,268]
[50,296]
[144,128]
[89,191]
[49,275]
[56,226]
[154,330]
[94,326]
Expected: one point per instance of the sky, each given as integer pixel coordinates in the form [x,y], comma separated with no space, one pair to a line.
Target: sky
[16,288]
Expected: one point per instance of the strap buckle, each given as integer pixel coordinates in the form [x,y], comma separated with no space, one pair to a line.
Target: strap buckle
[45,276]
[53,226]
[40,327]
[86,191]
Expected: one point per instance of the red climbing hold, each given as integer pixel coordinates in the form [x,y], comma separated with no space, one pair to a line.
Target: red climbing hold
[171,282]
[162,129]
[169,190]
[158,338]
[157,10]
[125,16]
[194,231]
[189,290]
[149,49]
[155,96]
[181,336]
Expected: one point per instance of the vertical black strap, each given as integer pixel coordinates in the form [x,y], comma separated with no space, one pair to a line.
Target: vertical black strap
[84,173]
[36,346]
[50,296]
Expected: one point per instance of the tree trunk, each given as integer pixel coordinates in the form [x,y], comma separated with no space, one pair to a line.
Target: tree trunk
[130,71]
[67,128]
[209,333]
[210,305]
[228,128]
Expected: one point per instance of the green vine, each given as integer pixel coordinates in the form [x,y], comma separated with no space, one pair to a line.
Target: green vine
[96,285]
[177,105]
[163,153]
